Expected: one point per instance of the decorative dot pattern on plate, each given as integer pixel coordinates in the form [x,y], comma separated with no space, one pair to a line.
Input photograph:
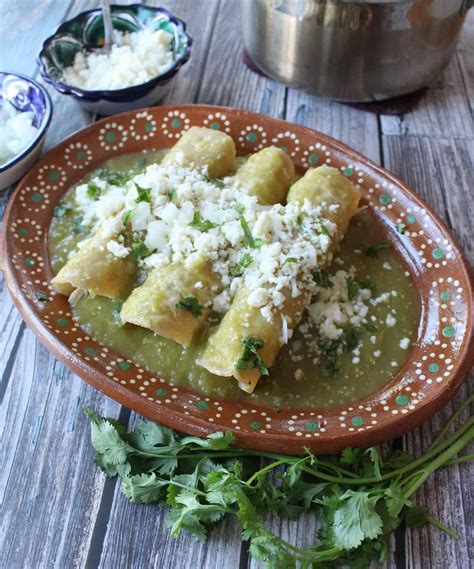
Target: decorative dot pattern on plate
[429,372]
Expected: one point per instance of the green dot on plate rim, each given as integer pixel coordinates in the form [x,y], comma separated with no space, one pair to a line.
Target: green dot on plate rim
[251,137]
[348,171]
[176,123]
[125,365]
[448,332]
[402,400]
[62,322]
[313,158]
[433,367]
[411,219]
[89,351]
[357,421]
[110,136]
[255,425]
[437,253]
[385,199]
[149,126]
[445,295]
[311,426]
[202,405]
[215,125]
[161,392]
[29,262]
[23,232]
[81,155]
[36,197]
[53,175]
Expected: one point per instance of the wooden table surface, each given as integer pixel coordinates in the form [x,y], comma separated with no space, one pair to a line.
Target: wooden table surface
[58,510]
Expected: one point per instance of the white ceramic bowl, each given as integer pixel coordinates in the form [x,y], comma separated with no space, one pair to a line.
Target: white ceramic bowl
[24,94]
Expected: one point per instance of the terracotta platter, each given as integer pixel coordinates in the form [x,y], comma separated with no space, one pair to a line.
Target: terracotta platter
[443,352]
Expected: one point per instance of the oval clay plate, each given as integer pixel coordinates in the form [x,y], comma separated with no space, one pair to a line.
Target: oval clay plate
[442,353]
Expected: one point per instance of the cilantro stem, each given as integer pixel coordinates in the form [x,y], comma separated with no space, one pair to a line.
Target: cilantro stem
[454,416]
[461,459]
[266,469]
[442,527]
[460,443]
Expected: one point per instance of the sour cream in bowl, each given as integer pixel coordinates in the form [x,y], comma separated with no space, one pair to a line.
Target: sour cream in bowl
[25,115]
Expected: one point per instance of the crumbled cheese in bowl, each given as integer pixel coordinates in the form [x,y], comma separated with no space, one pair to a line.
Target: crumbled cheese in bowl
[134,59]
[16,132]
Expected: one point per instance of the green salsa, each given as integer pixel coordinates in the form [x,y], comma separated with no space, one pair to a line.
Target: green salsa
[298,377]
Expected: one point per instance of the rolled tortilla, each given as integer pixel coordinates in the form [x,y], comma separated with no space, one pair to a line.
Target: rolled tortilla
[266,175]
[96,270]
[324,187]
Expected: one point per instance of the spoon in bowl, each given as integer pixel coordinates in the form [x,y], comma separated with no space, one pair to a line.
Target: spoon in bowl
[108,26]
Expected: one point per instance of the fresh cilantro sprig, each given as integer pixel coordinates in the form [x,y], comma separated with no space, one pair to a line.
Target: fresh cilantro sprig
[190,304]
[215,181]
[93,191]
[202,224]
[139,249]
[250,357]
[244,262]
[331,349]
[358,497]
[322,279]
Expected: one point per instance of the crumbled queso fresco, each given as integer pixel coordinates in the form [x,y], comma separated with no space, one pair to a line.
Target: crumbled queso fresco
[16,132]
[134,59]
[178,214]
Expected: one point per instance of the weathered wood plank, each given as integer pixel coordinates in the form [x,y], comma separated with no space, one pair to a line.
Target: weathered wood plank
[226,80]
[446,108]
[49,487]
[439,170]
[23,28]
[355,128]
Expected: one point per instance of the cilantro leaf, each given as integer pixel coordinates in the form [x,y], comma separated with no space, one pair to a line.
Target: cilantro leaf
[202,224]
[215,181]
[41,296]
[61,210]
[324,229]
[93,191]
[171,193]
[376,249]
[143,194]
[353,288]
[139,249]
[126,216]
[322,279]
[244,262]
[250,357]
[190,304]
[249,240]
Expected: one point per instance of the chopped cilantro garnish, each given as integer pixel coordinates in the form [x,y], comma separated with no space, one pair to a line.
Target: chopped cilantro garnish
[41,295]
[191,305]
[299,218]
[77,227]
[324,229]
[239,208]
[366,283]
[291,260]
[144,194]
[250,358]
[202,224]
[352,288]
[126,216]
[370,327]
[321,278]
[215,181]
[93,191]
[113,178]
[171,193]
[375,249]
[248,239]
[330,349]
[401,228]
[139,250]
[117,307]
[61,210]
[244,262]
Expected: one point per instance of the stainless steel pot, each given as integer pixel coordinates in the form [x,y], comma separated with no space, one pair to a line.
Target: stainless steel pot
[352,51]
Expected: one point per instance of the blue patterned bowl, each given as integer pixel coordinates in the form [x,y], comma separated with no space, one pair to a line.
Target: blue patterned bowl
[24,94]
[86,32]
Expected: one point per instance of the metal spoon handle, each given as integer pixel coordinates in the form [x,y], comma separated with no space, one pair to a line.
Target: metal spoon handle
[108,27]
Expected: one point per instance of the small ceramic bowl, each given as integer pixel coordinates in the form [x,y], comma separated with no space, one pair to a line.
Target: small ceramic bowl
[86,32]
[24,94]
